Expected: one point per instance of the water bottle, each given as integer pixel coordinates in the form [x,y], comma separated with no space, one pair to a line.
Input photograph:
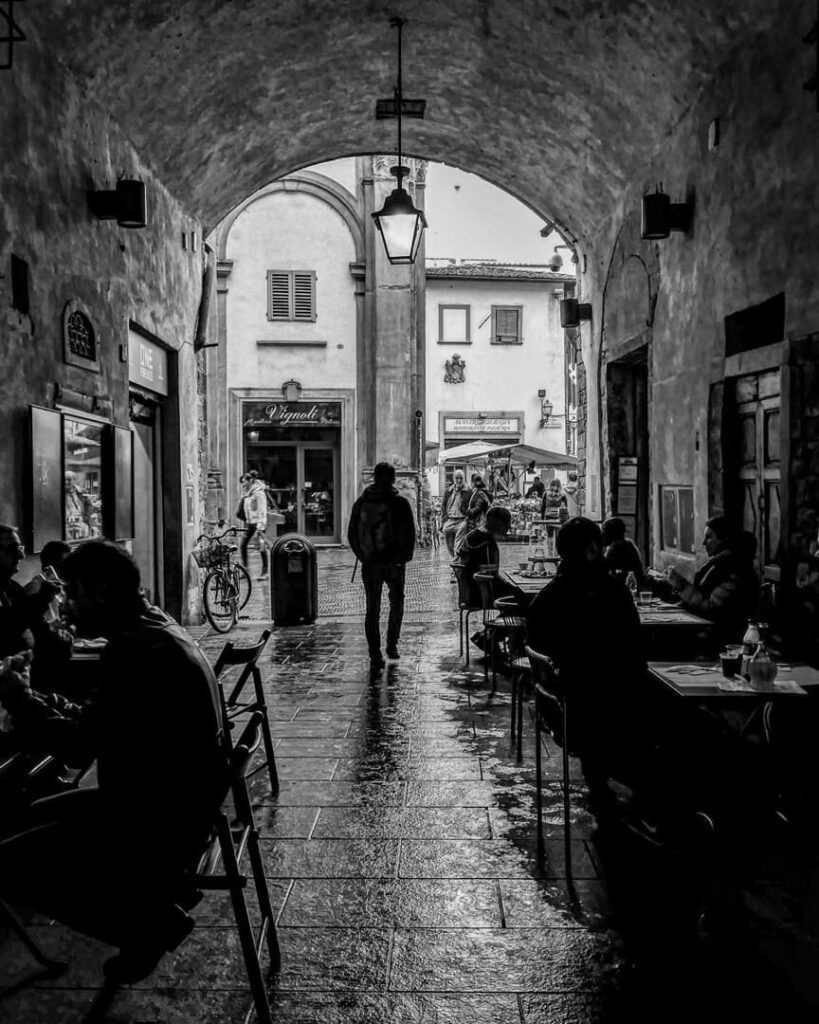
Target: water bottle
[750,642]
[761,668]
[631,583]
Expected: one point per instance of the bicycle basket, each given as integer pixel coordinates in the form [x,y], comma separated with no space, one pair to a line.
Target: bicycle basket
[210,555]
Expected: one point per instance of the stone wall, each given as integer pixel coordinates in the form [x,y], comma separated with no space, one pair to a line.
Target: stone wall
[755,222]
[58,144]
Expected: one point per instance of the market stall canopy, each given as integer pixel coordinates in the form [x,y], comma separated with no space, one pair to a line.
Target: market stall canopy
[475,451]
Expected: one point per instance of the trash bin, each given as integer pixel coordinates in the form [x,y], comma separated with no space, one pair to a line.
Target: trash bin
[293,581]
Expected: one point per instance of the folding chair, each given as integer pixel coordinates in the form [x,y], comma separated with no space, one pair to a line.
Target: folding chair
[228,846]
[551,716]
[233,706]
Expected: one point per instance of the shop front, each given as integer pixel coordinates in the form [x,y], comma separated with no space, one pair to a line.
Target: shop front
[459,428]
[296,448]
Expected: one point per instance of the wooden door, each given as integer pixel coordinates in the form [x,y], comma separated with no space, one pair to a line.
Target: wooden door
[757,472]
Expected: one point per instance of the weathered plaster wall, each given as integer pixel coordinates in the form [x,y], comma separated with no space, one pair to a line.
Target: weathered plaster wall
[290,231]
[499,376]
[58,143]
[753,235]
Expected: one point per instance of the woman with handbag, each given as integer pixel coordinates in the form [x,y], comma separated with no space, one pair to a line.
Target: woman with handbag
[254,507]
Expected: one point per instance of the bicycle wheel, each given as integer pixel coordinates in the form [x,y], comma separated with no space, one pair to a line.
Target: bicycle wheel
[220,599]
[243,584]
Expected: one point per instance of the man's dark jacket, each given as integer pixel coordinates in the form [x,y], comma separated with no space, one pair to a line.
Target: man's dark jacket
[401,544]
[154,728]
[586,621]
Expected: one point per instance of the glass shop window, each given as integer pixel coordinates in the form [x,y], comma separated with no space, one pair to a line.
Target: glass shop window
[677,519]
[82,490]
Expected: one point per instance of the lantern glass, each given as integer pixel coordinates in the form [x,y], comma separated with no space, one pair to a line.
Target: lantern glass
[401,226]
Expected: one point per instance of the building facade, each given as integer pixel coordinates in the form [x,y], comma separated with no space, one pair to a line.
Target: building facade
[496,357]
[314,373]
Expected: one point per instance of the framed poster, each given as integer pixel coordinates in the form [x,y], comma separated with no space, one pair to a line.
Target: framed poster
[627,470]
[46,495]
[626,499]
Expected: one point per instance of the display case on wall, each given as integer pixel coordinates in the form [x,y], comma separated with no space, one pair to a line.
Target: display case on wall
[80,478]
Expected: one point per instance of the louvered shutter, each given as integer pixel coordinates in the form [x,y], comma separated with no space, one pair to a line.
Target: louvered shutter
[304,295]
[507,326]
[278,295]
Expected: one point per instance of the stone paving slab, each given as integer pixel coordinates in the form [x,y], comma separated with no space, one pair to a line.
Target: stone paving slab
[402,858]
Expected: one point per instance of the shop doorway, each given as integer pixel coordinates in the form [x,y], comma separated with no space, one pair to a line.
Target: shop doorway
[302,480]
[146,426]
[627,394]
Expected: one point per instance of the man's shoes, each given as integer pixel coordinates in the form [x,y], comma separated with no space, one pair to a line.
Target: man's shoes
[392,652]
[263,576]
[376,663]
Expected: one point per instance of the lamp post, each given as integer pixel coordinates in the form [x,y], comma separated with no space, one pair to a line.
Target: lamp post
[400,224]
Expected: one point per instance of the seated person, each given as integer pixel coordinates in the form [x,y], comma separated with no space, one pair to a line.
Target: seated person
[726,589]
[586,622]
[21,614]
[553,501]
[478,548]
[620,553]
[154,728]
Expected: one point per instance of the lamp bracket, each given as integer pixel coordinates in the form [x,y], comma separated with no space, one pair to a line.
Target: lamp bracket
[385,109]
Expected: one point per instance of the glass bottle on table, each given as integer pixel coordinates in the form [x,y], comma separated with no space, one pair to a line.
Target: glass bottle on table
[750,641]
[631,584]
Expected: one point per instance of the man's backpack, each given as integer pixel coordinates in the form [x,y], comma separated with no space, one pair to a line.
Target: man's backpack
[375,534]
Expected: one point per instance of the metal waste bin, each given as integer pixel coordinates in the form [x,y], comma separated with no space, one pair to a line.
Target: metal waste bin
[293,581]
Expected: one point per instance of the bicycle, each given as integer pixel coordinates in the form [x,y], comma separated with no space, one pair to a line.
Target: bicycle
[227,585]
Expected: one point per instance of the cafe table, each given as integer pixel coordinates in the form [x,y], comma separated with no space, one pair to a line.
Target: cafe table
[703,683]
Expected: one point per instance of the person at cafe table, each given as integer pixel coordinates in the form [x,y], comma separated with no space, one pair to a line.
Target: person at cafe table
[479,548]
[108,861]
[22,615]
[726,589]
[586,621]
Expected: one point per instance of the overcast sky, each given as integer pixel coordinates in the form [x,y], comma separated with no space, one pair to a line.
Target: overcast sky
[469,218]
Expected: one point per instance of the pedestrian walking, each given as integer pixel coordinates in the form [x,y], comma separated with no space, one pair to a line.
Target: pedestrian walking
[254,506]
[382,535]
[455,504]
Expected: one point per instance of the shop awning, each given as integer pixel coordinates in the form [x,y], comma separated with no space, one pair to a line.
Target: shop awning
[476,451]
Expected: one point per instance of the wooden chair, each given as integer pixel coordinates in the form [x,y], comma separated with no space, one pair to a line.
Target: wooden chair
[551,716]
[228,846]
[232,705]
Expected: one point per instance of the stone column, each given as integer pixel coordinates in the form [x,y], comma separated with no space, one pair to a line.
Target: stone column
[396,362]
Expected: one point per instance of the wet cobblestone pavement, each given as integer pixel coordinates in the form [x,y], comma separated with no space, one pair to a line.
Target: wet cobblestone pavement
[402,864]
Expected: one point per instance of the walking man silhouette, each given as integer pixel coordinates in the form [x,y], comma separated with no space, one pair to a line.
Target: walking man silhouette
[382,535]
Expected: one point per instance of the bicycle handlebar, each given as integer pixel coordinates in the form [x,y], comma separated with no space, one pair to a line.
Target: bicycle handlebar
[215,537]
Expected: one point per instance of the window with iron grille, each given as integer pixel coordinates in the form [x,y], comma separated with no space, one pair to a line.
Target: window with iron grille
[506,325]
[291,295]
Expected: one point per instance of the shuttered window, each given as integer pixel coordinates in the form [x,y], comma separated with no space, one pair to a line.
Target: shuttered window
[506,325]
[291,295]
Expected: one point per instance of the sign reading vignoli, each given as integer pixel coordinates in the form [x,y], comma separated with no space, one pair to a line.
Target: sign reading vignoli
[291,414]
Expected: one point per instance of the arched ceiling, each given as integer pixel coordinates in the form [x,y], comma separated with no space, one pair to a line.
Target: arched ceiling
[559,102]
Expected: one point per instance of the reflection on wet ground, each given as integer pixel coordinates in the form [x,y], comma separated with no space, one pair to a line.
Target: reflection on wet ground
[402,861]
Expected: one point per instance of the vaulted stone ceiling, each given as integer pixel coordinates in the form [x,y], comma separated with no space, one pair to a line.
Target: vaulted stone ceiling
[560,102]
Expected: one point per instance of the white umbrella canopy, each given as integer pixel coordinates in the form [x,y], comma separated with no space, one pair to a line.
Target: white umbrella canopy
[475,451]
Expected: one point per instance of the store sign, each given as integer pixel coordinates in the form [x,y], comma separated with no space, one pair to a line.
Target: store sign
[291,414]
[147,364]
[481,425]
